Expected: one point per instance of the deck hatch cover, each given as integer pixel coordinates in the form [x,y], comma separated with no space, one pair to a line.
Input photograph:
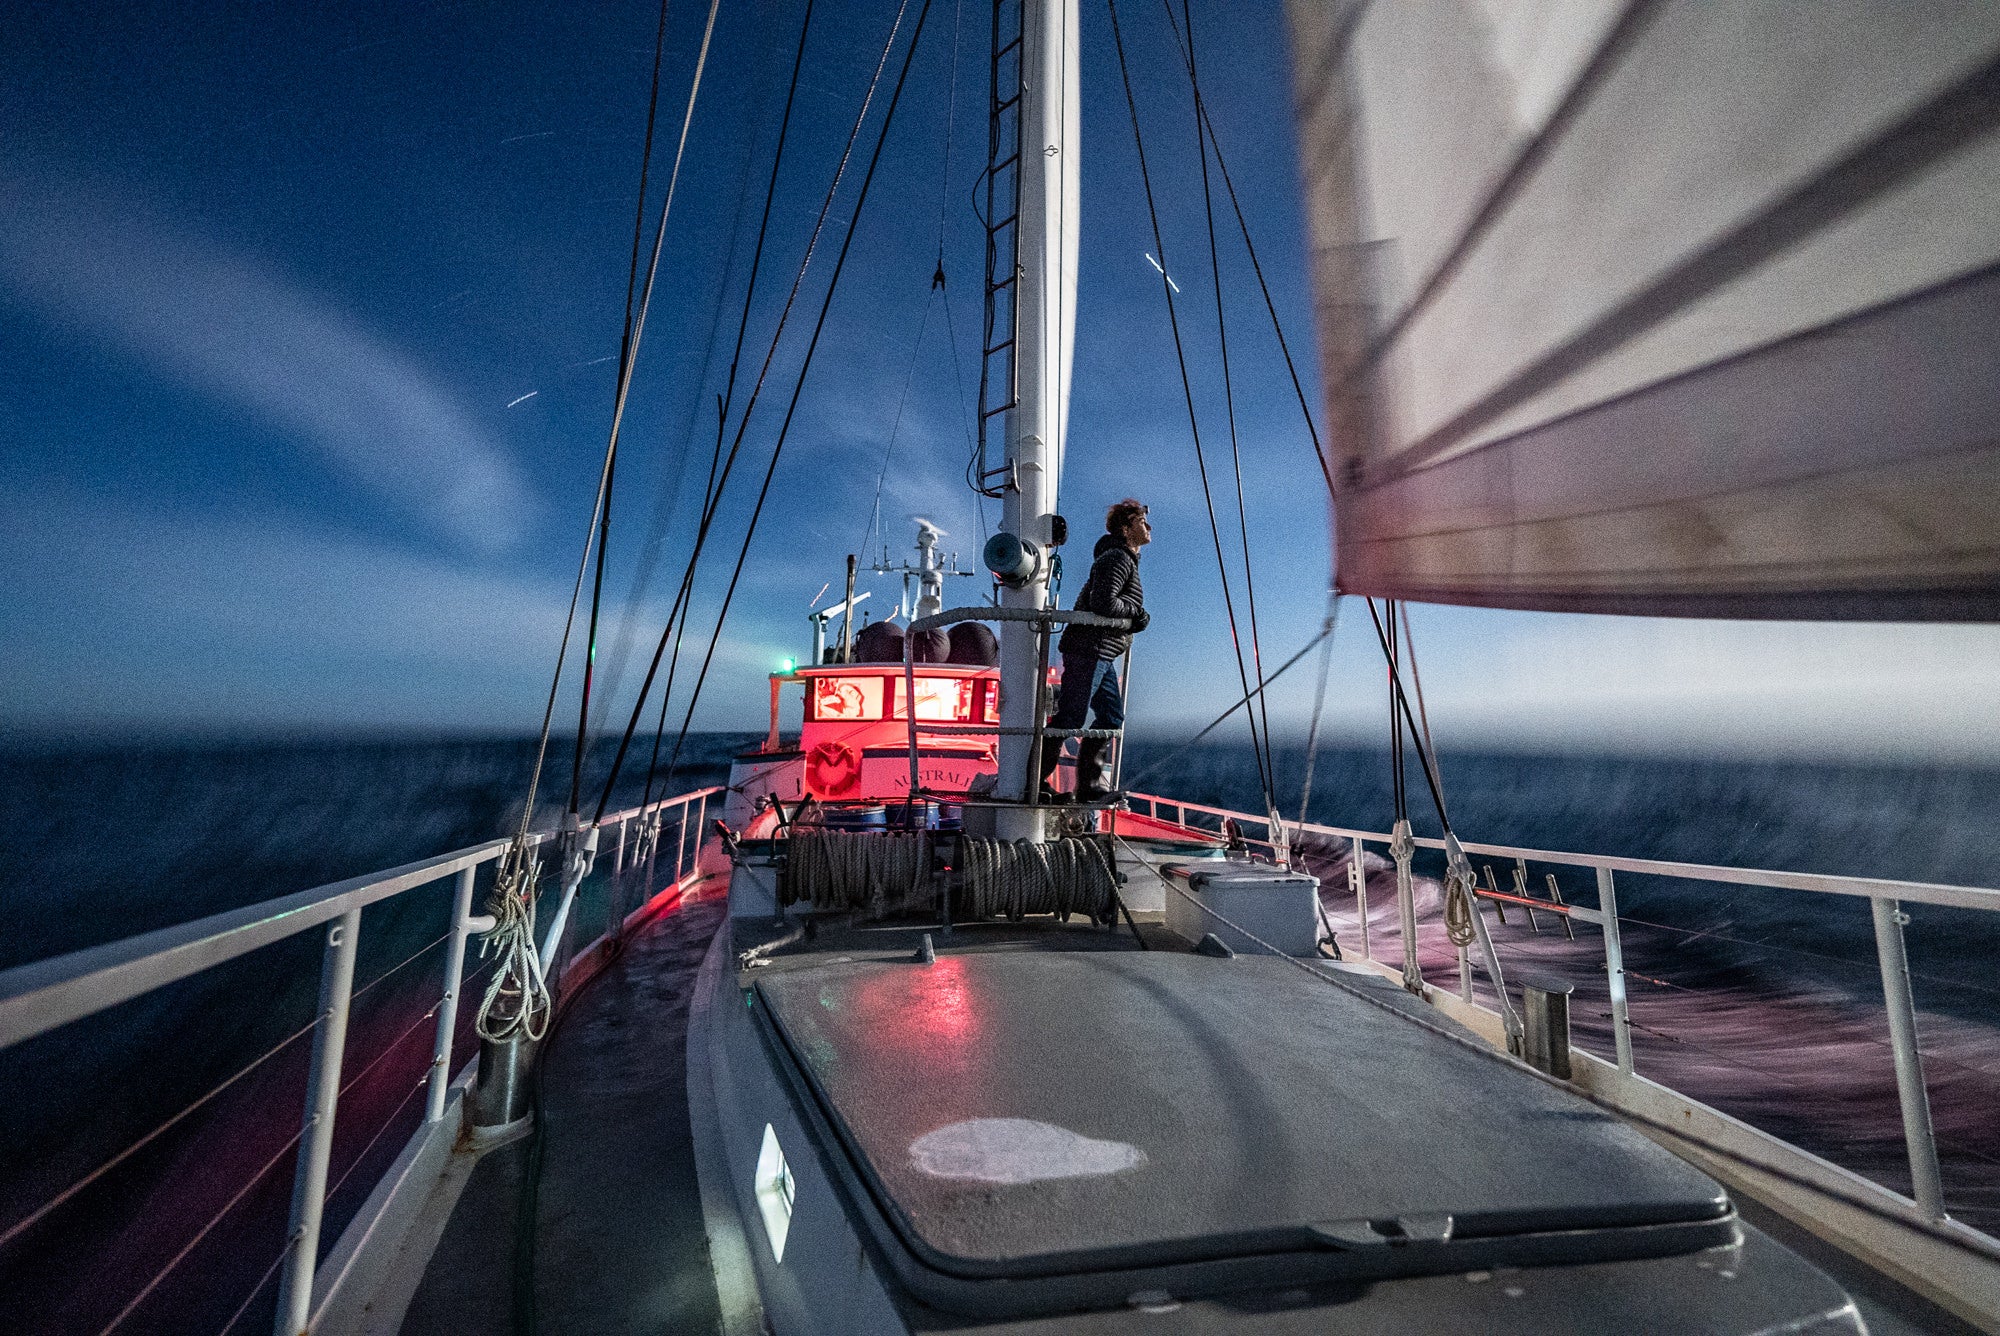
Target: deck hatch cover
[1269,1113]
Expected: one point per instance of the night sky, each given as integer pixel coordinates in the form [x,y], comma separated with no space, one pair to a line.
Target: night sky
[309,323]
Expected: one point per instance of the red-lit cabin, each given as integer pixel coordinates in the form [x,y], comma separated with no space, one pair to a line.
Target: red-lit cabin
[854,744]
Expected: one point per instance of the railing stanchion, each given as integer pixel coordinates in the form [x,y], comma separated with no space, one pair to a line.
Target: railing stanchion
[1614,968]
[1910,1089]
[454,976]
[680,843]
[336,989]
[700,825]
[1357,879]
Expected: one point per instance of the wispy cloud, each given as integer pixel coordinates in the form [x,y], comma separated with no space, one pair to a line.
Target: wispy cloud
[230,328]
[183,618]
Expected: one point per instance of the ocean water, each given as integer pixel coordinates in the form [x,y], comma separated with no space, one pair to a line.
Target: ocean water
[1764,1003]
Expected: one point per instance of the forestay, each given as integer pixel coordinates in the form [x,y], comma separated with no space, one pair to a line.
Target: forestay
[1658,306]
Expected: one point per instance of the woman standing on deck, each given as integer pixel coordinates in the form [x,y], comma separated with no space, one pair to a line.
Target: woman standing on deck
[1090,654]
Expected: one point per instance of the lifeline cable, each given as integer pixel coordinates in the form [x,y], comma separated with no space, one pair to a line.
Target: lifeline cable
[1187,392]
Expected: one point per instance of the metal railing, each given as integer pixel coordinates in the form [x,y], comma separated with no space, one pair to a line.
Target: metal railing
[1045,621]
[41,997]
[1885,898]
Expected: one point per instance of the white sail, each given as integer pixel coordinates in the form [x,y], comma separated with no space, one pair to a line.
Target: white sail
[1664,306]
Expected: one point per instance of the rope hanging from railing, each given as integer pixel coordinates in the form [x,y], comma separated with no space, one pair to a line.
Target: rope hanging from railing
[517,1001]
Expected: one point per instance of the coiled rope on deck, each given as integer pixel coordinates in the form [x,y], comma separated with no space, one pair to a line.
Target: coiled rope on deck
[1015,878]
[874,872]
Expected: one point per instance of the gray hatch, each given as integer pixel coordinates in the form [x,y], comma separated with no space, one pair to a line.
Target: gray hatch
[1032,1114]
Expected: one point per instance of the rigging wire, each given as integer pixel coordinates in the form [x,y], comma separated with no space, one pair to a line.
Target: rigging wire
[668,491]
[938,288]
[1187,390]
[624,355]
[513,865]
[1256,266]
[971,412]
[896,425]
[950,325]
[1398,773]
[1319,702]
[1229,404]
[1400,699]
[799,385]
[1217,722]
[710,488]
[683,598]
[679,612]
[1416,677]
[627,360]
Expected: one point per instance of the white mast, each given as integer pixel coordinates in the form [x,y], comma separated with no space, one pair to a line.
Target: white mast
[1045,328]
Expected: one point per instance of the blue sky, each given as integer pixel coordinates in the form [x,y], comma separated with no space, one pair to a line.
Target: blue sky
[308,320]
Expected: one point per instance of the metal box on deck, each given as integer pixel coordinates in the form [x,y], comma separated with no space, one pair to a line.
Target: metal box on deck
[1275,904]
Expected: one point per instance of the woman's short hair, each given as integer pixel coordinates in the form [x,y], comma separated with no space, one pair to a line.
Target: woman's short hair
[1122,514]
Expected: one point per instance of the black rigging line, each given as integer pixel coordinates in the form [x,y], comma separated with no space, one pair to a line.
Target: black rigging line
[1399,707]
[1229,399]
[757,389]
[710,488]
[937,290]
[517,852]
[667,493]
[1325,631]
[950,121]
[1399,797]
[896,425]
[1243,225]
[812,346]
[683,598]
[624,379]
[1187,391]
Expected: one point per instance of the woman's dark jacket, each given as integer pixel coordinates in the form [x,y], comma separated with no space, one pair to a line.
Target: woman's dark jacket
[1113,590]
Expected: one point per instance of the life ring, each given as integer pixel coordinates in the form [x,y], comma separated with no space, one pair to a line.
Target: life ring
[833,769]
